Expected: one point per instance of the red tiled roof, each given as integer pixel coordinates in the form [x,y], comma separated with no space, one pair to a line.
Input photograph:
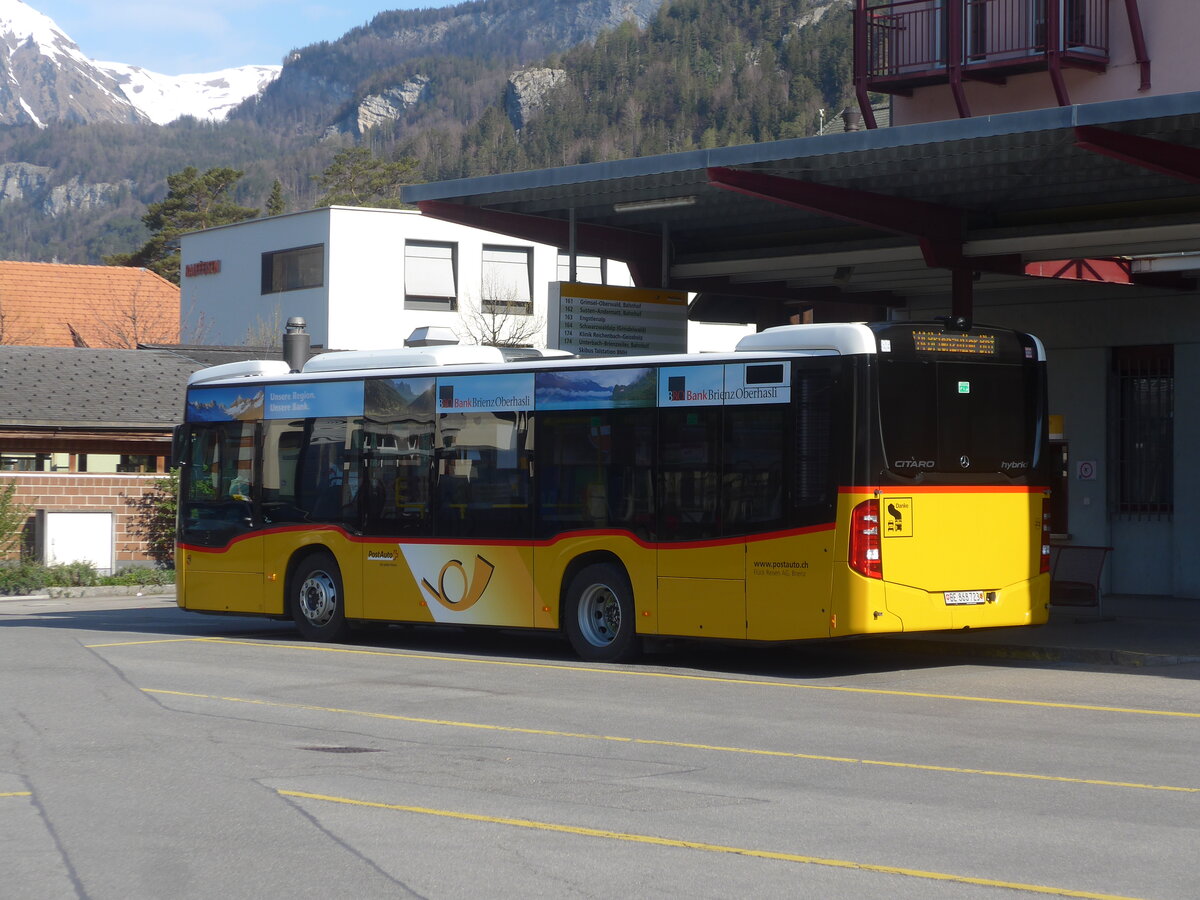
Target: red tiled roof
[48,305]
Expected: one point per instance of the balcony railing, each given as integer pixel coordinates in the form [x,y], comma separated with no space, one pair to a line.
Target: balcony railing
[911,42]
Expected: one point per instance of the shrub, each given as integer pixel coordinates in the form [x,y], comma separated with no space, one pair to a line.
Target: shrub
[27,577]
[154,518]
[22,577]
[12,517]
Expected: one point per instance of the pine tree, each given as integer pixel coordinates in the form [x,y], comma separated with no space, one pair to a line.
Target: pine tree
[194,201]
[276,205]
[357,177]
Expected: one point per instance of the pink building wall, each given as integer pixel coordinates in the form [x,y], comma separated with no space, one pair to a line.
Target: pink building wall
[1172,31]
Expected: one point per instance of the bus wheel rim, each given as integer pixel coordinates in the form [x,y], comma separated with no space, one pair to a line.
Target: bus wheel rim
[318,598]
[599,615]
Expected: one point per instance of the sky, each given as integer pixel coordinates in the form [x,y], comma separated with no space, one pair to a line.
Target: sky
[176,37]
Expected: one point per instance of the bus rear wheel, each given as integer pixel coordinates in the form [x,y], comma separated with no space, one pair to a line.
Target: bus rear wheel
[599,615]
[317,601]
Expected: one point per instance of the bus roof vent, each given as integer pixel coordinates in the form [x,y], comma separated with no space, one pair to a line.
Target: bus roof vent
[516,354]
[405,358]
[835,337]
[247,368]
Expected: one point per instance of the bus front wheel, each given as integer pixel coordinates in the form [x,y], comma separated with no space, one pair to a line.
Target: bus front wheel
[599,616]
[318,604]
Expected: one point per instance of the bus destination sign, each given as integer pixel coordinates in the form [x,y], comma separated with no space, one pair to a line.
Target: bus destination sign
[954,343]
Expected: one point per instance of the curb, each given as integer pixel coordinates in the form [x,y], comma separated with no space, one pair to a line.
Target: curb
[1027,653]
[162,591]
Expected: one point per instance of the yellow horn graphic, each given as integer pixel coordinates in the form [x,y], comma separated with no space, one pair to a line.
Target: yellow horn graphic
[480,579]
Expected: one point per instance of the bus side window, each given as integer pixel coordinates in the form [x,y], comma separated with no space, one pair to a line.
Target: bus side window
[595,470]
[483,485]
[689,473]
[756,439]
[812,464]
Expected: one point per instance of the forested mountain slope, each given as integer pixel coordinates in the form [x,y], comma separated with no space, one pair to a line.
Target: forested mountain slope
[468,90]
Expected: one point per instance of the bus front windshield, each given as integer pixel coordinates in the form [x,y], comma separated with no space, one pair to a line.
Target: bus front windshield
[956,417]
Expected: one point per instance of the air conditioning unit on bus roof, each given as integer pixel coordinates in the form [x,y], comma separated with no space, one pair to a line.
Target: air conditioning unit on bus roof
[833,337]
[247,368]
[404,358]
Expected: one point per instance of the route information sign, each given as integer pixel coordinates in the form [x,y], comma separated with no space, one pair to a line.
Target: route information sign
[603,320]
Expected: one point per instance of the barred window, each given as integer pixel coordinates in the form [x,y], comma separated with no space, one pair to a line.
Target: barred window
[1145,398]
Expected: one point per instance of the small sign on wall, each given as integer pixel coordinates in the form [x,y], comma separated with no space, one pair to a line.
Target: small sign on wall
[1085,470]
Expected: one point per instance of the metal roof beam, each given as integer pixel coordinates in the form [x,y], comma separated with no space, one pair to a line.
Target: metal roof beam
[641,252]
[779,290]
[917,218]
[817,260]
[1163,157]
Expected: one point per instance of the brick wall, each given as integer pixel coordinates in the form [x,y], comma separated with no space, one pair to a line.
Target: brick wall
[60,492]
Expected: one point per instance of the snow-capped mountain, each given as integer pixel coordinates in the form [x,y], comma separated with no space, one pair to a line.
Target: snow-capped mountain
[210,95]
[48,79]
[45,77]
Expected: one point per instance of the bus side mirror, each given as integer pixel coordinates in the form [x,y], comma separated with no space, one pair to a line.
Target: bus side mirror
[179,442]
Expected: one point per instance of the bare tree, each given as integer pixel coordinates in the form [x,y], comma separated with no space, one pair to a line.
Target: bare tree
[11,331]
[500,318]
[197,329]
[266,330]
[133,320]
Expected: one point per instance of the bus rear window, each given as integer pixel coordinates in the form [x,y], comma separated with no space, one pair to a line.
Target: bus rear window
[959,417]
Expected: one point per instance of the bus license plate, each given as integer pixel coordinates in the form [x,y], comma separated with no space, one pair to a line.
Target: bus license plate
[965,598]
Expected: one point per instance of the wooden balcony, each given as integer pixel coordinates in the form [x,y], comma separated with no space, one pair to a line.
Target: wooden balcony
[911,43]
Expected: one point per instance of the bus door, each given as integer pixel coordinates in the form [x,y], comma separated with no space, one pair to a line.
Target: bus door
[480,570]
[781,463]
[222,567]
[701,574]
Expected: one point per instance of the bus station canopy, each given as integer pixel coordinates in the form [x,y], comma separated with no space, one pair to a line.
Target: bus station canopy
[940,214]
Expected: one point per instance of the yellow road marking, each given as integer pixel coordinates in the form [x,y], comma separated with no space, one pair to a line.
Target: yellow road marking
[712,679]
[708,848]
[18,794]
[684,745]
[138,643]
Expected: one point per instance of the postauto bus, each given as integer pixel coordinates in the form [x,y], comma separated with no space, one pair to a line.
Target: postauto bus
[819,481]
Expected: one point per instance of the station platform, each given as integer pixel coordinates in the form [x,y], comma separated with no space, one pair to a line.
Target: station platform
[1125,630]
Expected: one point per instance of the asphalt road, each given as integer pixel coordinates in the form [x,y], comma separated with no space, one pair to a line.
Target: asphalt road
[148,753]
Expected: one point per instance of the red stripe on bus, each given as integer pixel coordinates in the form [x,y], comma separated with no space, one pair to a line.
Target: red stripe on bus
[499,542]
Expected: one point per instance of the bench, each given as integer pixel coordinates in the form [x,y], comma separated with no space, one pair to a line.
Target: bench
[1075,574]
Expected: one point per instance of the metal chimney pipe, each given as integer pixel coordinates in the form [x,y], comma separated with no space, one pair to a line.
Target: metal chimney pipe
[296,343]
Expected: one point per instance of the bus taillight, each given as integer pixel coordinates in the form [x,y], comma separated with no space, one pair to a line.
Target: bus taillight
[865,558]
[1045,561]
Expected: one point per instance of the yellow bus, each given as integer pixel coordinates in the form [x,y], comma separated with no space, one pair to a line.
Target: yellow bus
[818,481]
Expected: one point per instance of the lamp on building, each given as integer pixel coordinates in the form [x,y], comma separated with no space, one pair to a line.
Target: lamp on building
[658,203]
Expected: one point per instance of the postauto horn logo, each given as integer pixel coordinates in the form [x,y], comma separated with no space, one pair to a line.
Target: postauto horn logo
[456,592]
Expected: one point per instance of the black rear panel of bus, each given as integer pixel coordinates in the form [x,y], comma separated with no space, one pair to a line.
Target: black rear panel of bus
[959,406]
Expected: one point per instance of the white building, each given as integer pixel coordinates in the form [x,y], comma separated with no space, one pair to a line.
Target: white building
[366,278]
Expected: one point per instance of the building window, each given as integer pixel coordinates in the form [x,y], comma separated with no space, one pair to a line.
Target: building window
[293,270]
[430,275]
[506,285]
[1145,398]
[588,269]
[25,462]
